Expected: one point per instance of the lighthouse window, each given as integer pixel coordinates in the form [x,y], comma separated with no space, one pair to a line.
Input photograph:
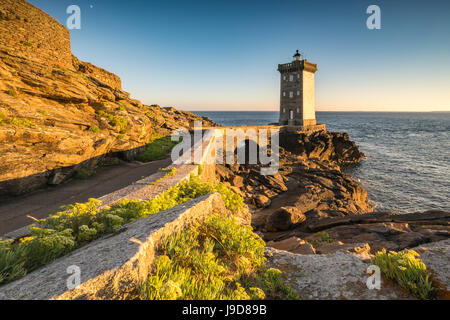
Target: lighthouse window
[291,94]
[298,75]
[291,77]
[284,93]
[298,93]
[284,110]
[298,110]
[284,77]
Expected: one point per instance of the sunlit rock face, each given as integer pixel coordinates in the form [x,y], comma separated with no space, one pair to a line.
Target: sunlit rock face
[57,113]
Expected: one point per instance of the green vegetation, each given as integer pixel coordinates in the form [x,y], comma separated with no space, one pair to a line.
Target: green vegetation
[12,93]
[28,44]
[115,121]
[81,223]
[43,112]
[84,174]
[120,136]
[218,259]
[406,268]
[94,129]
[2,16]
[324,239]
[158,148]
[22,123]
[4,119]
[109,162]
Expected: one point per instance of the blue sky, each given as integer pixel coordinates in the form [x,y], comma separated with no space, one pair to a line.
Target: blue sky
[223,54]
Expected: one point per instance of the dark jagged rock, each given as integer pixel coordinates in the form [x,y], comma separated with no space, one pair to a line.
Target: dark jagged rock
[284,218]
[323,146]
[311,183]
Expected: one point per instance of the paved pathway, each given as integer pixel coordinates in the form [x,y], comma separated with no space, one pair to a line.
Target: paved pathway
[42,203]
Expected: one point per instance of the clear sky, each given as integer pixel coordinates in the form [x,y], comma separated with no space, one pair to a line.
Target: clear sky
[223,54]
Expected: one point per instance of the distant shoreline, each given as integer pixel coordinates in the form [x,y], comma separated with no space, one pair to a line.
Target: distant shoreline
[416,112]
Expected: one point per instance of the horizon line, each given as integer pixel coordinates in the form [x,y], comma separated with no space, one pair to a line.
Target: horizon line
[365,111]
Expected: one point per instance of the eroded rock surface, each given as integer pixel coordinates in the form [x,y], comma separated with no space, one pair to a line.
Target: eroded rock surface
[334,276]
[59,114]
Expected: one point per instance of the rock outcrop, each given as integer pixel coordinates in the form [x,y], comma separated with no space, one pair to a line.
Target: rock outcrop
[335,147]
[313,188]
[59,114]
[311,207]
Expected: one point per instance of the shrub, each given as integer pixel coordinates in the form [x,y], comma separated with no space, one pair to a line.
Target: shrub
[12,93]
[2,16]
[218,259]
[4,119]
[84,173]
[116,121]
[407,269]
[81,223]
[19,122]
[94,129]
[109,162]
[158,148]
[43,112]
[324,239]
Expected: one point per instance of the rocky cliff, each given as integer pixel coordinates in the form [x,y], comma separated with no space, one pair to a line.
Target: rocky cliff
[57,113]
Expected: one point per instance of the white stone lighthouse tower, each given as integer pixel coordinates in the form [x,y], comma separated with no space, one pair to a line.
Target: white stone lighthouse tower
[297,96]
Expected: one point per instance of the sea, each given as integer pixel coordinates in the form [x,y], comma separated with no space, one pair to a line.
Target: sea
[407,165]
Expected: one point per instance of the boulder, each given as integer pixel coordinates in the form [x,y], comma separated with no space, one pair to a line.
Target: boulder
[262,201]
[284,218]
[237,181]
[293,244]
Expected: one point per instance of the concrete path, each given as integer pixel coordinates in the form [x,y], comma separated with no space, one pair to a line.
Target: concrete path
[42,203]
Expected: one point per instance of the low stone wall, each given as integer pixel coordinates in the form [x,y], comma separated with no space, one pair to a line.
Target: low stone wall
[113,266]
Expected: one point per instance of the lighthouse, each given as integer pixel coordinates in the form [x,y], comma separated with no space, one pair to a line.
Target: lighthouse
[297,96]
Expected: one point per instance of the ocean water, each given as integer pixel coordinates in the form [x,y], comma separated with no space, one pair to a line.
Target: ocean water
[407,168]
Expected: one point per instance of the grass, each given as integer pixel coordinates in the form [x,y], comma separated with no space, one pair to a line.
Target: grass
[109,162]
[218,259]
[406,268]
[12,93]
[158,148]
[115,121]
[324,239]
[84,174]
[94,129]
[81,223]
[43,112]
[4,119]
[2,16]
